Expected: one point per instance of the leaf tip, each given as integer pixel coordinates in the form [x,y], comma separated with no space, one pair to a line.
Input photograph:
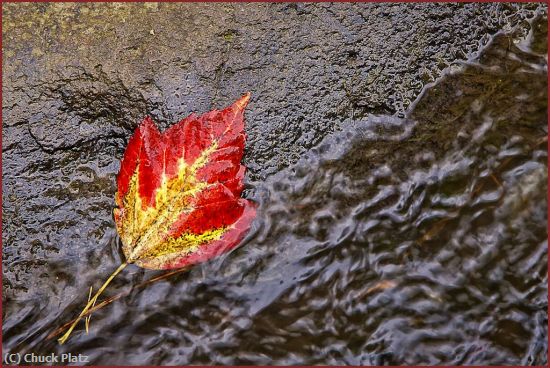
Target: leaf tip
[243,101]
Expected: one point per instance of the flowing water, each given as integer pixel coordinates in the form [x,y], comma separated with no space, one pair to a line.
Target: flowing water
[419,239]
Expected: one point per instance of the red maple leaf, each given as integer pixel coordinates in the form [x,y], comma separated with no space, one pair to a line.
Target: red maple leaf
[179,193]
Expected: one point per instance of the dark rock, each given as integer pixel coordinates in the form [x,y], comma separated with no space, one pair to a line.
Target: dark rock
[79,77]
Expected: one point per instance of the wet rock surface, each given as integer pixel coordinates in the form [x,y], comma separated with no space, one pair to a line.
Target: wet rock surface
[393,238]
[84,72]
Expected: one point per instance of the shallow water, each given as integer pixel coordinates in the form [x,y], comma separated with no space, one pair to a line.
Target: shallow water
[414,240]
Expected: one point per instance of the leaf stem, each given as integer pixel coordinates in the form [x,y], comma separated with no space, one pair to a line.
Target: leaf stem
[91,302]
[115,297]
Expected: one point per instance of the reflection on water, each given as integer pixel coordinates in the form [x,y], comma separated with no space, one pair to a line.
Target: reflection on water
[419,240]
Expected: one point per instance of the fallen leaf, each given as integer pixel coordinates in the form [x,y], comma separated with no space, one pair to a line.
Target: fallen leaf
[179,193]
